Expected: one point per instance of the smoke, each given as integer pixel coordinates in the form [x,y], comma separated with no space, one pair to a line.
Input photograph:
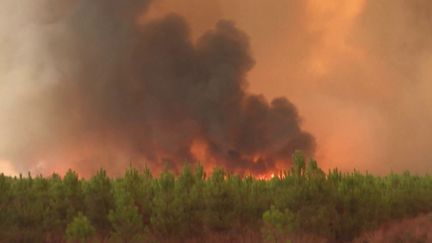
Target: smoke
[89,83]
[382,74]
[399,44]
[359,70]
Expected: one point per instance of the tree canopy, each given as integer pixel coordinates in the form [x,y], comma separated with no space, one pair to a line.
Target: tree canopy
[190,205]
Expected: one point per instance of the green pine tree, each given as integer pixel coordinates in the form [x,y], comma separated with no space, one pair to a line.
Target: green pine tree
[80,229]
[125,219]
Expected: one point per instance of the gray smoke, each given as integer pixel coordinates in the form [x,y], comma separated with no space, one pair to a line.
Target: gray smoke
[102,89]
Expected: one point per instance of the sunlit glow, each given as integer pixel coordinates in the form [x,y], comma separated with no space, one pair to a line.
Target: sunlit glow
[7,168]
[333,20]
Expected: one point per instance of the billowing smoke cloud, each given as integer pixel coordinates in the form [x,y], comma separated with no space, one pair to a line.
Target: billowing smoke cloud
[359,69]
[89,85]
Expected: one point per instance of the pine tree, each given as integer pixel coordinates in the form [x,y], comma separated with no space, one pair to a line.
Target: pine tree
[165,214]
[80,230]
[125,219]
[99,200]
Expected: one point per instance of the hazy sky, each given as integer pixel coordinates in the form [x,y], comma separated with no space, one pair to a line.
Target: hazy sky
[358,71]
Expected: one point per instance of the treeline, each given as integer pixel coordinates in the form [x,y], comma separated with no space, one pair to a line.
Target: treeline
[194,207]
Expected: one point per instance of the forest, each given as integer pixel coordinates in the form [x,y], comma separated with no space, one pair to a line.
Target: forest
[191,206]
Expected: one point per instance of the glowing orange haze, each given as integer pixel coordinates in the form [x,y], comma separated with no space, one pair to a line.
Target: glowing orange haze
[200,151]
[275,40]
[359,72]
[340,62]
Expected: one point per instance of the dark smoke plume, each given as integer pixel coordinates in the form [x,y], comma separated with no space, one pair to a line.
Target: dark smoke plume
[147,93]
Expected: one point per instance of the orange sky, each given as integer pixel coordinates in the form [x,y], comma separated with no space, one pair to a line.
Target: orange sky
[359,71]
[330,57]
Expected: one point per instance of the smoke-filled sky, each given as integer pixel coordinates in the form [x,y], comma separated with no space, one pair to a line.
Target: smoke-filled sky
[103,82]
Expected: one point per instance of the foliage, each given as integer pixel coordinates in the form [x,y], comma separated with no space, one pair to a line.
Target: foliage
[125,219]
[80,229]
[277,223]
[191,205]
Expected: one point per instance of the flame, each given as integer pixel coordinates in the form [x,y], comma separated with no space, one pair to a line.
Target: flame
[199,150]
[265,177]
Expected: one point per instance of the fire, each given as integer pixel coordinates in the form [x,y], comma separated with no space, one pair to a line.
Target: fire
[199,150]
[266,177]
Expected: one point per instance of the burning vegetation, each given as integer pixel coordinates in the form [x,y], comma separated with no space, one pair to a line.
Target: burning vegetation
[92,84]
